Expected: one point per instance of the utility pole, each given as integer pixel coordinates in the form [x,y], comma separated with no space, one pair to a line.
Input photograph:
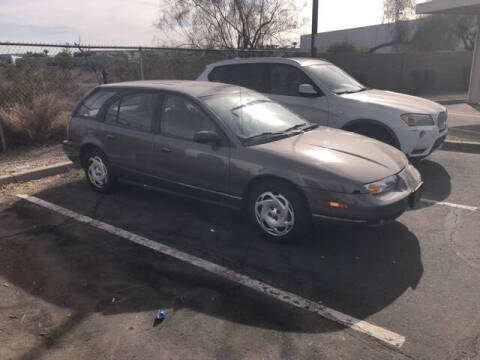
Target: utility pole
[313,49]
[142,74]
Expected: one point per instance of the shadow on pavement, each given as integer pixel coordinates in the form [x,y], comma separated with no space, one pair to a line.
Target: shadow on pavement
[437,181]
[357,271]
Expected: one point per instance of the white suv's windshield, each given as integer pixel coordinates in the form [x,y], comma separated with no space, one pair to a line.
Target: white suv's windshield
[252,115]
[335,79]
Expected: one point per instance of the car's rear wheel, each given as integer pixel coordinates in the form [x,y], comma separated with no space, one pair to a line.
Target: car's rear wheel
[279,211]
[98,171]
[374,132]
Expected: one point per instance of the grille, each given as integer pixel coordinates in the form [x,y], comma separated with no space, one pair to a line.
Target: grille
[442,120]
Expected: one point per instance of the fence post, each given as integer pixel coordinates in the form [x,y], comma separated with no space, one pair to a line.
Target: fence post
[142,75]
[2,137]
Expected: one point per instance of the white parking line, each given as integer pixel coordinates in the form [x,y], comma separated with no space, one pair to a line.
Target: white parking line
[377,332]
[458,206]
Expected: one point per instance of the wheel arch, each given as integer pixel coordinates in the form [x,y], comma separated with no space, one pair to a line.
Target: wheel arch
[87,147]
[353,123]
[267,177]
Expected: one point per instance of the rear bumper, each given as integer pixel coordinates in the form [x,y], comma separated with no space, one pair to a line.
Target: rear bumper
[71,151]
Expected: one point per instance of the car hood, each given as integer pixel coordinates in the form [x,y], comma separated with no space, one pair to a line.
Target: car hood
[402,102]
[347,155]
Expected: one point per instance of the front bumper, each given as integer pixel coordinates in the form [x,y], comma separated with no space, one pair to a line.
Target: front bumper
[363,209]
[431,140]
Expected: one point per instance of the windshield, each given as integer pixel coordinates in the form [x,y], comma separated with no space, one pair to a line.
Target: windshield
[335,79]
[251,114]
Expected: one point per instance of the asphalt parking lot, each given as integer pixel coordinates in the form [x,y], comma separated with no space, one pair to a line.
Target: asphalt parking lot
[70,289]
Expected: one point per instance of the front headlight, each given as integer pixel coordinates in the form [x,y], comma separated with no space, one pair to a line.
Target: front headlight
[381,186]
[417,119]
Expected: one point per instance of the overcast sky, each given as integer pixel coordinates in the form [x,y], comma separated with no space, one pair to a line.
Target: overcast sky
[131,22]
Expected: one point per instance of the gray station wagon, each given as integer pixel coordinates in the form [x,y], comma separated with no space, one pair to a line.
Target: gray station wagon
[234,146]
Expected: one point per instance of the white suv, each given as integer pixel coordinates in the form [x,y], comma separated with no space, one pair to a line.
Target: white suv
[322,93]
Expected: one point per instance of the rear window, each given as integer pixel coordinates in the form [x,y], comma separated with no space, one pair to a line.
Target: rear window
[92,104]
[251,76]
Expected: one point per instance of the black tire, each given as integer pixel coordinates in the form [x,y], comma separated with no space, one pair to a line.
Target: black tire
[374,132]
[415,161]
[97,158]
[302,218]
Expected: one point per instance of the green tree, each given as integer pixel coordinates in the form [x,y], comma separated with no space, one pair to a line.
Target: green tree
[444,32]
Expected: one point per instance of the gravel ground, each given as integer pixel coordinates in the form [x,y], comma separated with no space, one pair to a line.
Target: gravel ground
[30,157]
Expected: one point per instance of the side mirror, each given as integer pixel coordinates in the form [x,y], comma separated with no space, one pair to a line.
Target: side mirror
[207,137]
[307,89]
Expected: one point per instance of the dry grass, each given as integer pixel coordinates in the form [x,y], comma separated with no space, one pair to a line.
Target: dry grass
[42,120]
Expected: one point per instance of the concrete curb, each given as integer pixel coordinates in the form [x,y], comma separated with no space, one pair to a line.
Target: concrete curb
[462,146]
[452,102]
[37,173]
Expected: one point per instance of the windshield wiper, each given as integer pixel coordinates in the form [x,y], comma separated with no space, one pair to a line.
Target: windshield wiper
[294,127]
[310,127]
[268,135]
[302,127]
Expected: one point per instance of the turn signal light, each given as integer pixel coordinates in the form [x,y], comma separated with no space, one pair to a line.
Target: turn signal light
[333,204]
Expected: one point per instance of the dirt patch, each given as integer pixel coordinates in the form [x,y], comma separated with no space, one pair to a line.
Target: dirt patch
[30,157]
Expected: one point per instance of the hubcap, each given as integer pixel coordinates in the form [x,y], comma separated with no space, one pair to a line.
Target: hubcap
[97,172]
[274,213]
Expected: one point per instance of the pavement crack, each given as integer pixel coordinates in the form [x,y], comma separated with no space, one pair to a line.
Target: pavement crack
[36,229]
[451,226]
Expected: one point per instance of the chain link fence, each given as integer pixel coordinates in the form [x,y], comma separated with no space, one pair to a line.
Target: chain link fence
[40,83]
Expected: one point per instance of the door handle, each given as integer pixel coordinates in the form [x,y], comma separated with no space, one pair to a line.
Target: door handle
[165,149]
[110,137]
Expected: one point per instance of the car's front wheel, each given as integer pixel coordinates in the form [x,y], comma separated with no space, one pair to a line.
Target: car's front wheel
[98,171]
[279,211]
[374,132]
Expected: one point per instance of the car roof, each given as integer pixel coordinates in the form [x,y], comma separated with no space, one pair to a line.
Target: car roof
[275,60]
[187,87]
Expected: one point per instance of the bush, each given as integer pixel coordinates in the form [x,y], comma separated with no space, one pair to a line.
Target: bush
[43,120]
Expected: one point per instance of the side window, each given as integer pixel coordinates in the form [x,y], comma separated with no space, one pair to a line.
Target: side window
[247,75]
[218,74]
[182,118]
[92,104]
[135,111]
[285,79]
[112,112]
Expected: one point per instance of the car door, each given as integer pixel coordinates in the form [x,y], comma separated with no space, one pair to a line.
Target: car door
[127,131]
[282,85]
[178,158]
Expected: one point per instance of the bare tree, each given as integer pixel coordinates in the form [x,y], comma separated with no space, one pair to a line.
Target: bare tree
[397,12]
[230,24]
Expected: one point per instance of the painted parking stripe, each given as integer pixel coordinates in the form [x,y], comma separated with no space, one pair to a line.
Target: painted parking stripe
[377,332]
[458,206]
